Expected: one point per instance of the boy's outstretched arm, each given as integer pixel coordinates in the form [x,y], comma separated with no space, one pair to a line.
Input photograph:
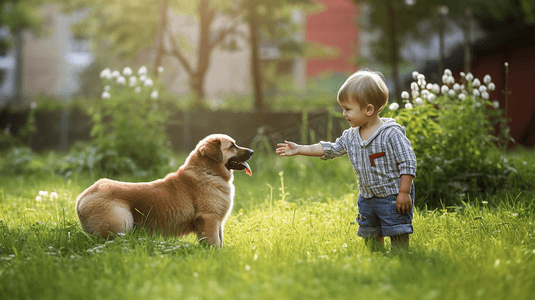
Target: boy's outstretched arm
[290,149]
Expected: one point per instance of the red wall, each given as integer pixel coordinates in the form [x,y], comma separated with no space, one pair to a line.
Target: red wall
[521,108]
[335,26]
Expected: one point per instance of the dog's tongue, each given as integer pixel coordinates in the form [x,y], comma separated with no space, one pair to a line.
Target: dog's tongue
[248,169]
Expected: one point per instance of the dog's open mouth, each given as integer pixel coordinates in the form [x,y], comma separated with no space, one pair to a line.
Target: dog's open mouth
[234,164]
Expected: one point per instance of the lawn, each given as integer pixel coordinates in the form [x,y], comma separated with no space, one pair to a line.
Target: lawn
[291,235]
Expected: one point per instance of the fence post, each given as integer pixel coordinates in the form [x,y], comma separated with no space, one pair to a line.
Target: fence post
[186,131]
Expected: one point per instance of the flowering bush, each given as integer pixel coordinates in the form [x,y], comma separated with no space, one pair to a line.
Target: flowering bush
[129,121]
[452,130]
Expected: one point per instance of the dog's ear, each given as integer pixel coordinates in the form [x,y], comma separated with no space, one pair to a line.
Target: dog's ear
[212,149]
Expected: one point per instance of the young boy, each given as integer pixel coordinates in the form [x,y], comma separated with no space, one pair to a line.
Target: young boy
[381,155]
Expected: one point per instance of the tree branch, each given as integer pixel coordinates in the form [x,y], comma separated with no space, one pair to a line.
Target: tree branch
[175,51]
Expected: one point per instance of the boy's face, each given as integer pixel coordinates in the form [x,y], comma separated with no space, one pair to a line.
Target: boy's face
[355,115]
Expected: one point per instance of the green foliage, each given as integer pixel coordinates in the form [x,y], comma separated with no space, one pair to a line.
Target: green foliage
[129,121]
[454,138]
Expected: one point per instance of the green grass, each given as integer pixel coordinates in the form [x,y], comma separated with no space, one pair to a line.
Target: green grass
[291,236]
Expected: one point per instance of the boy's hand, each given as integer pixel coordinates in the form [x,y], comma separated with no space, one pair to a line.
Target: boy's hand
[403,203]
[287,149]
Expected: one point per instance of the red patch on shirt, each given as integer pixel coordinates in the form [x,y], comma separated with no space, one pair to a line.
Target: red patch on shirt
[374,156]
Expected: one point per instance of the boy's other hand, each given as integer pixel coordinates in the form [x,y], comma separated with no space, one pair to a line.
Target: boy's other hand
[287,148]
[403,203]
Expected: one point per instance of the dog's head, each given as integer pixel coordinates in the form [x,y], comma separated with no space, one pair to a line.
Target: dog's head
[223,149]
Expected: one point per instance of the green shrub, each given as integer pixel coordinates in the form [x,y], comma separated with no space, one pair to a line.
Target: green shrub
[129,121]
[453,133]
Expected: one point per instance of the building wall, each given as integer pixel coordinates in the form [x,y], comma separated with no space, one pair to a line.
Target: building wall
[521,100]
[336,26]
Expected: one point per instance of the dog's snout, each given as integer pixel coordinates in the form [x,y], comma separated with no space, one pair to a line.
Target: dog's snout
[248,153]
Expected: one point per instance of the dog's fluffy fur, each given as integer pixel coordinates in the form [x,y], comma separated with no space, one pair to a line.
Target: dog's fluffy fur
[195,199]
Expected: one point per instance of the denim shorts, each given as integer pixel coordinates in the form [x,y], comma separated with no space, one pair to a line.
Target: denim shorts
[378,216]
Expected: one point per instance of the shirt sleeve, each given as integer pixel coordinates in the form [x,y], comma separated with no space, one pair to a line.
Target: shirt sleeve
[336,149]
[404,155]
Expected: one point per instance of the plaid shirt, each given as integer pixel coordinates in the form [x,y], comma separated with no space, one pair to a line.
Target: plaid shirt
[379,161]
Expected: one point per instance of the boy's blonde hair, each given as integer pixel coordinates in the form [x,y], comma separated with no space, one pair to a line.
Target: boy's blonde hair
[365,87]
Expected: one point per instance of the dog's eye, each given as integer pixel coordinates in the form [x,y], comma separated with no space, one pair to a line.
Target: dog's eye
[233,147]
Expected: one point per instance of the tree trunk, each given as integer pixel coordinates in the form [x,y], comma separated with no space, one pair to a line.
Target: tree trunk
[206,16]
[255,61]
[393,45]
[19,67]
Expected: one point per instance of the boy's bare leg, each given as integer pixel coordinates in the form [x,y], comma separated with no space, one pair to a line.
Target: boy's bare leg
[399,241]
[375,243]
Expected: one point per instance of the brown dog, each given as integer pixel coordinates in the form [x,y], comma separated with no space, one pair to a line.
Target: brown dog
[197,198]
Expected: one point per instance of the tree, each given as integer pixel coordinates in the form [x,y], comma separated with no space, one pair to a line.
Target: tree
[271,21]
[399,19]
[17,16]
[131,27]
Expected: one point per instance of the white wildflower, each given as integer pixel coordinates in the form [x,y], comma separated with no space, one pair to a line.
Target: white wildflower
[422,83]
[142,78]
[154,95]
[482,88]
[393,106]
[429,86]
[431,97]
[415,94]
[149,82]
[457,87]
[419,101]
[414,86]
[491,86]
[53,196]
[106,95]
[405,95]
[415,75]
[485,95]
[121,80]
[451,80]
[132,81]
[444,89]
[476,93]
[462,96]
[463,74]
[506,64]
[142,71]
[420,77]
[38,198]
[106,73]
[408,106]
[476,83]
[43,193]
[107,88]
[447,72]
[486,79]
[160,69]
[436,88]
[137,89]
[425,93]
[469,77]
[451,93]
[445,79]
[496,104]
[115,74]
[33,105]
[127,71]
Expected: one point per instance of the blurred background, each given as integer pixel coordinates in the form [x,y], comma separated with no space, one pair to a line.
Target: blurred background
[252,68]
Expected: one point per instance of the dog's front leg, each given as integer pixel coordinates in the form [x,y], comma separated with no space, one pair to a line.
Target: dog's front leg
[208,230]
